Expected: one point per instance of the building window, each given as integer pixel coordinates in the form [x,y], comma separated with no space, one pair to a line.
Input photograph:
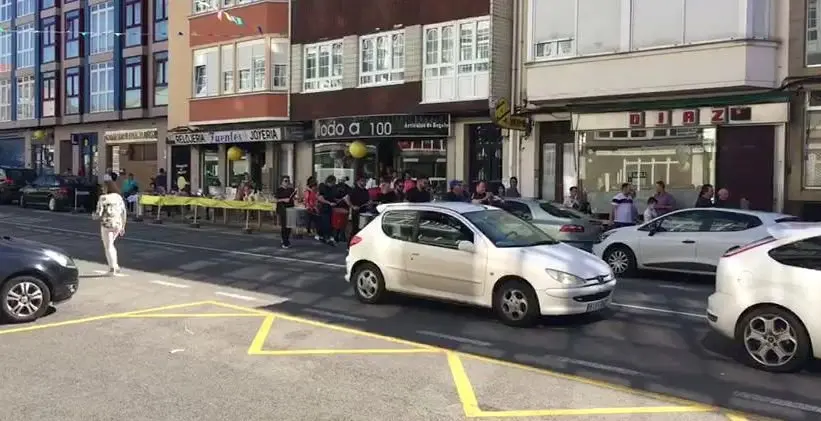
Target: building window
[204,6]
[382,59]
[25,46]
[161,79]
[102,27]
[5,100]
[323,66]
[133,82]
[205,70]
[227,72]
[5,51]
[72,32]
[456,61]
[25,98]
[279,64]
[813,27]
[73,89]
[48,38]
[133,23]
[160,20]
[102,87]
[5,10]
[251,66]
[48,4]
[49,87]
[25,7]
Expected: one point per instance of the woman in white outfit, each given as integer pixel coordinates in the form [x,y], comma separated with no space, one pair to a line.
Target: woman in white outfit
[111,212]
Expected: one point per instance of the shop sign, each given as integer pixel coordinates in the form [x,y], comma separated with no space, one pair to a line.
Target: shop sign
[191,138]
[229,136]
[689,117]
[131,136]
[504,118]
[397,125]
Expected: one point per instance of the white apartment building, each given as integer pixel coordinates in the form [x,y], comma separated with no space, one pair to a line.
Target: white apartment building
[640,91]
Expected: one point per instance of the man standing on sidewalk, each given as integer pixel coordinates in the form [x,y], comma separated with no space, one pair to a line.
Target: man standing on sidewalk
[285,199]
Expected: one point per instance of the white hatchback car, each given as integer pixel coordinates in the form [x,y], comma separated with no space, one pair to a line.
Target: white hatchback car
[478,255]
[687,240]
[767,298]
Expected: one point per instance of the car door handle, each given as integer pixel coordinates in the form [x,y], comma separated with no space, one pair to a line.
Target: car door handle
[688,242]
[414,254]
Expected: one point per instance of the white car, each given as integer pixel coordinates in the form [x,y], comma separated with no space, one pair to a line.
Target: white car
[478,255]
[767,298]
[687,240]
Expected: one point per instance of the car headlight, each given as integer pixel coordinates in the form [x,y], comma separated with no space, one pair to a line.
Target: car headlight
[603,236]
[60,258]
[565,278]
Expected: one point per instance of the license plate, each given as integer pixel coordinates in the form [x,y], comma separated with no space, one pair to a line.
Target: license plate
[601,305]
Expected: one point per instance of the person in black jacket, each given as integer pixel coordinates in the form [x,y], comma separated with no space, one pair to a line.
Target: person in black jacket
[285,199]
[705,197]
[359,198]
[456,193]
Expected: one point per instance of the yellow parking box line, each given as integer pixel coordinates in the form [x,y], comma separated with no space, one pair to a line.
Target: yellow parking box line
[592,411]
[736,417]
[235,307]
[186,315]
[32,328]
[463,387]
[166,308]
[298,352]
[262,334]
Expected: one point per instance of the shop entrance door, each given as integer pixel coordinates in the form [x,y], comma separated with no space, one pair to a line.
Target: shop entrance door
[745,164]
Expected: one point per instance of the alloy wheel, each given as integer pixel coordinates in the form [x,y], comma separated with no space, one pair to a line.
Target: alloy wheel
[514,304]
[770,340]
[367,284]
[52,204]
[24,299]
[619,261]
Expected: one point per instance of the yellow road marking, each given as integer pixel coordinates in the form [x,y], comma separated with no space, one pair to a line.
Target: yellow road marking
[463,387]
[736,417]
[235,307]
[297,352]
[185,315]
[591,411]
[44,326]
[262,333]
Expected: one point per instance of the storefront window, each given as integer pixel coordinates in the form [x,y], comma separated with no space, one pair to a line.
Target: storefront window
[334,158]
[425,158]
[43,158]
[683,158]
[249,166]
[209,166]
[812,163]
[486,154]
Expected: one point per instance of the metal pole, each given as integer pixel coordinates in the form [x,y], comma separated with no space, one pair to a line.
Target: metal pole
[247,229]
[194,223]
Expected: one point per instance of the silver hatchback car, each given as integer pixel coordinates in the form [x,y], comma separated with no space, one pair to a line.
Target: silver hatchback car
[562,223]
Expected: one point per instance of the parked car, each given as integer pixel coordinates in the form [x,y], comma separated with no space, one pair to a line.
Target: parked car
[34,276]
[475,254]
[562,223]
[767,298]
[12,180]
[57,192]
[687,240]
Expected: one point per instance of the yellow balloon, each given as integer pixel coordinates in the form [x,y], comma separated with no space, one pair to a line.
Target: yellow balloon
[358,149]
[38,135]
[234,153]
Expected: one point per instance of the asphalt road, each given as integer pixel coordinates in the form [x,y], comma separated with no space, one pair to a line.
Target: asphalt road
[653,340]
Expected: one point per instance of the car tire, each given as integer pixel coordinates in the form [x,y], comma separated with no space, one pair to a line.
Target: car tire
[36,293]
[783,321]
[621,259]
[53,205]
[368,284]
[516,304]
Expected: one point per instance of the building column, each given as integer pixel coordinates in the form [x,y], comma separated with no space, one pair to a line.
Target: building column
[222,164]
[528,163]
[270,178]
[780,170]
[195,172]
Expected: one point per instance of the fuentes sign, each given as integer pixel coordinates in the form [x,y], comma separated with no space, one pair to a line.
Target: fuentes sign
[226,137]
[398,125]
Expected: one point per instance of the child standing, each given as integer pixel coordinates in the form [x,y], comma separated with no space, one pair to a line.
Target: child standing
[650,212]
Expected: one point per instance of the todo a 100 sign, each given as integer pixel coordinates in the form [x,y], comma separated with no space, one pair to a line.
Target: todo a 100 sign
[434,125]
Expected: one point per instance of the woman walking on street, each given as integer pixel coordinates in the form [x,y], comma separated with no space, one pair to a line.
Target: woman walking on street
[111,213]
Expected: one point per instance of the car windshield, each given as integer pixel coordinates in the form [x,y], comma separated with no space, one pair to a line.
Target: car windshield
[506,230]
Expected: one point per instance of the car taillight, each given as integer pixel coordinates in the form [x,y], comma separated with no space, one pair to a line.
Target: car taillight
[355,240]
[65,191]
[571,228]
[7,181]
[748,247]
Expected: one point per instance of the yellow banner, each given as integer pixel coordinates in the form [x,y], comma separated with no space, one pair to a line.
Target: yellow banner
[204,202]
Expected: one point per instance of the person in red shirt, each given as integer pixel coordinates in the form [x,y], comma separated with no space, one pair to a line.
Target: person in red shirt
[310,200]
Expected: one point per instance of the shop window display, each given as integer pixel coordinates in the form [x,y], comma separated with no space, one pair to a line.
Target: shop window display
[210,166]
[682,158]
[248,166]
[334,158]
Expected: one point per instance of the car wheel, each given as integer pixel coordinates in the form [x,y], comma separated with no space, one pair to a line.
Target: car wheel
[621,259]
[774,340]
[24,299]
[22,201]
[516,304]
[52,204]
[369,284]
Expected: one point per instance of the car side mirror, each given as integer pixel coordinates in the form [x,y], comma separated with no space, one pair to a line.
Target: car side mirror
[466,246]
[653,230]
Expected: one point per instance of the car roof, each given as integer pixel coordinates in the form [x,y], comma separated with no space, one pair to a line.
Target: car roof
[796,230]
[458,207]
[760,214]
